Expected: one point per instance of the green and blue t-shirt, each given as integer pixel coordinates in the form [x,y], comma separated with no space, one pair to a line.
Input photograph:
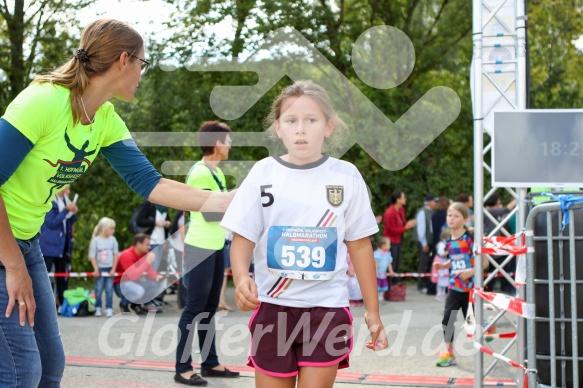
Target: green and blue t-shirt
[47,152]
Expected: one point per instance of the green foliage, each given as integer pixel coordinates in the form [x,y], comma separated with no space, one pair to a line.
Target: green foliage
[553,28]
[181,102]
[33,37]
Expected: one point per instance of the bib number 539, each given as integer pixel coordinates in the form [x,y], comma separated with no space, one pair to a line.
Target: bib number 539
[303,256]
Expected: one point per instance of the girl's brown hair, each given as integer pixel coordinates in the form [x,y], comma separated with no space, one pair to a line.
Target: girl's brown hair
[103,41]
[318,93]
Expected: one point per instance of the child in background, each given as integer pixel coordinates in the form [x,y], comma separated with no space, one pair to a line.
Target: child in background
[460,249]
[384,264]
[299,214]
[104,254]
[442,280]
[354,293]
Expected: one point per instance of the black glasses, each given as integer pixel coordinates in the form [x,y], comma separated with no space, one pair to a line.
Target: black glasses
[145,65]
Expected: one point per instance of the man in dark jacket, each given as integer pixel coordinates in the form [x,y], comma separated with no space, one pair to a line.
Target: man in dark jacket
[56,237]
[424,238]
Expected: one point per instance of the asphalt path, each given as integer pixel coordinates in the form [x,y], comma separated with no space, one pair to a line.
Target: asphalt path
[139,351]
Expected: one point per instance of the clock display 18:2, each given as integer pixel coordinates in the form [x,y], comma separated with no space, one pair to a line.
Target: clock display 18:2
[557,148]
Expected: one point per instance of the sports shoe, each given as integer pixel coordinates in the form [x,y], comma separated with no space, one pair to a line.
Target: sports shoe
[97,311]
[124,309]
[151,307]
[446,359]
[109,313]
[138,309]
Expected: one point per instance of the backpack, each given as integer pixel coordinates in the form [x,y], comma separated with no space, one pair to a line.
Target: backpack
[133,226]
[78,302]
[81,309]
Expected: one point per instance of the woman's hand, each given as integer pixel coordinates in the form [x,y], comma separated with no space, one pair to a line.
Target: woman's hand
[246,294]
[72,207]
[19,287]
[378,340]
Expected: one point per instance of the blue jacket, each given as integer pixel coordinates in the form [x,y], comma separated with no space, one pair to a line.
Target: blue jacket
[54,235]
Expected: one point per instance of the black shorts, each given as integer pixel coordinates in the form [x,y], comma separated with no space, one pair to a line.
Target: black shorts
[286,338]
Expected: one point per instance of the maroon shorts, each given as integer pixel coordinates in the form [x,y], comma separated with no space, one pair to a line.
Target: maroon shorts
[286,338]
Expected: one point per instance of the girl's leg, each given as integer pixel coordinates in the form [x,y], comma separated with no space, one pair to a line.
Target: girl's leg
[465,301]
[109,293]
[453,303]
[98,291]
[317,377]
[266,381]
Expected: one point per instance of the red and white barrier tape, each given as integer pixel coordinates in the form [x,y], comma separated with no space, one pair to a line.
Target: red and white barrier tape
[506,360]
[506,245]
[508,303]
[495,335]
[106,274]
[502,245]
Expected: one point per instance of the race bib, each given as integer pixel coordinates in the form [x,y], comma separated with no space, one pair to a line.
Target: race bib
[458,264]
[306,253]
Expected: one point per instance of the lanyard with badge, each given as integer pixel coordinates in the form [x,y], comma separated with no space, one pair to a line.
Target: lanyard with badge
[215,177]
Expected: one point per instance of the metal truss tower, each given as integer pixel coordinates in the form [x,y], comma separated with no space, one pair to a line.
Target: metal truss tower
[498,84]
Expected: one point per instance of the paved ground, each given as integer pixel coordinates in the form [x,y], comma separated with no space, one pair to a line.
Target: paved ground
[132,351]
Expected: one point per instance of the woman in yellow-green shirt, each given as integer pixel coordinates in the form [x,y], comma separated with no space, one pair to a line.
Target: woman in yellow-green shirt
[204,262]
[49,136]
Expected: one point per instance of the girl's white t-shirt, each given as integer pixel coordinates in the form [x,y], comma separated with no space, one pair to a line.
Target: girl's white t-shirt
[299,218]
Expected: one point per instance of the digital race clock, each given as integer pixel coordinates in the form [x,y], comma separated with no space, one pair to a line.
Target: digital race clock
[538,148]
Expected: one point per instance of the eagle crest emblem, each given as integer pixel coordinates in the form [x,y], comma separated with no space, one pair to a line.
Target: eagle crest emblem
[335,195]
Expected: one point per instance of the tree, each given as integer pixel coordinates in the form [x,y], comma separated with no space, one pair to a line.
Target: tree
[33,35]
[440,31]
[555,60]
